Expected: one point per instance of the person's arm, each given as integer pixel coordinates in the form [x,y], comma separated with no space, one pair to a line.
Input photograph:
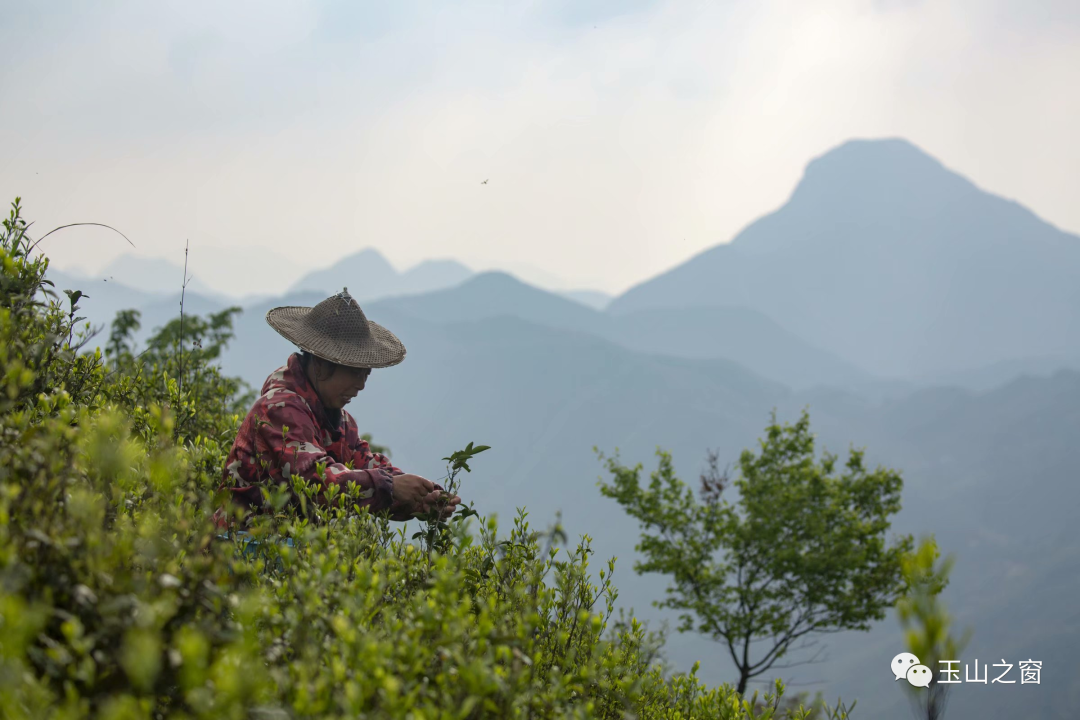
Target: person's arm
[365,457]
[299,452]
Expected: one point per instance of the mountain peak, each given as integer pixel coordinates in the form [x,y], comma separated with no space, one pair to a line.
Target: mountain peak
[875,174]
[896,263]
[497,278]
[374,277]
[365,267]
[881,154]
[369,257]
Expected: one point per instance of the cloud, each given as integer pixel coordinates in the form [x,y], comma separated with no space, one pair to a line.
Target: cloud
[613,152]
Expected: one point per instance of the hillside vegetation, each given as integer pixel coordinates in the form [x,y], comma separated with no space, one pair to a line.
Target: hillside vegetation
[120,598]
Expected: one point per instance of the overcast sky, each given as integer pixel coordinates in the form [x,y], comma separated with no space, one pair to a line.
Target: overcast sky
[619,138]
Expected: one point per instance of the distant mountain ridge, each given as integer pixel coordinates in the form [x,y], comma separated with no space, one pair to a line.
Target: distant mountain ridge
[369,275]
[896,264]
[738,334]
[589,298]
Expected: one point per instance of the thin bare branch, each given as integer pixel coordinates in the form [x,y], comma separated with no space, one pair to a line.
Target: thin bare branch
[110,227]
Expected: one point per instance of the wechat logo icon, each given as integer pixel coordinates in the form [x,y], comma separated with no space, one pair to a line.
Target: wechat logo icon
[906,666]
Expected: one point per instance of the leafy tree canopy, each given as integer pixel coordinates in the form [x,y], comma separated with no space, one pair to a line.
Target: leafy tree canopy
[801,551]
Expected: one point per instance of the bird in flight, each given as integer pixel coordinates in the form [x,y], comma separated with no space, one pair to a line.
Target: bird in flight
[484,182]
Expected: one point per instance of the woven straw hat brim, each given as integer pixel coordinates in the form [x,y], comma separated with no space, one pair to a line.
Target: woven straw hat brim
[379,350]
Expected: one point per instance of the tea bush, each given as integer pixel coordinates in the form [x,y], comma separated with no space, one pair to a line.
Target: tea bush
[121,598]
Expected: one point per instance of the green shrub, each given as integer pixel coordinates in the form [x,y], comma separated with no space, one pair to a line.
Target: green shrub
[119,597]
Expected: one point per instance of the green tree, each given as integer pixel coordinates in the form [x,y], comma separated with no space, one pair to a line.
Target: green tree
[802,551]
[177,369]
[927,624]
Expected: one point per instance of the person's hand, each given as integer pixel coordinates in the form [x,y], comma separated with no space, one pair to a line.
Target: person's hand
[411,492]
[442,500]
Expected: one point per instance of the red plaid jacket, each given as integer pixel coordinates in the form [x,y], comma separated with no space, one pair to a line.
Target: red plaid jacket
[263,454]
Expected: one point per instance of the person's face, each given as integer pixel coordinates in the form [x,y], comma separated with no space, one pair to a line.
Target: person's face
[342,386]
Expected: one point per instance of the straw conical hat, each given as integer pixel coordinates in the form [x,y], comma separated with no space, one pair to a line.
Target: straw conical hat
[337,330]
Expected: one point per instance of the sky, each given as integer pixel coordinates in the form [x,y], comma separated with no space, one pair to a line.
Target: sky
[618,139]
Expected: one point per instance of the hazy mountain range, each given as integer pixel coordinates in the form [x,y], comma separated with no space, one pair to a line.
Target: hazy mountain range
[740,334]
[882,277]
[896,264]
[368,275]
[138,281]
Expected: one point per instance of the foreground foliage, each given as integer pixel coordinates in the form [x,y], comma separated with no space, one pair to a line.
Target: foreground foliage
[928,625]
[120,598]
